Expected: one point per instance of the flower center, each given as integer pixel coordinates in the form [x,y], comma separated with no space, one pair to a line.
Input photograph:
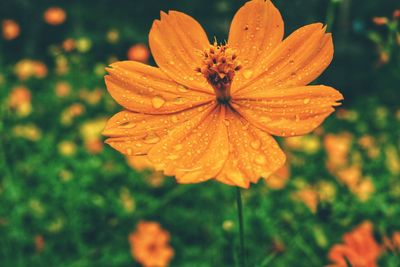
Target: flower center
[218,67]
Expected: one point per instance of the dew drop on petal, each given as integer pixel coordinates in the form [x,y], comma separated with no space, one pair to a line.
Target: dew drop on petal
[174,119]
[306,101]
[157,102]
[178,147]
[247,74]
[151,139]
[129,151]
[182,89]
[260,159]
[172,157]
[256,144]
[127,125]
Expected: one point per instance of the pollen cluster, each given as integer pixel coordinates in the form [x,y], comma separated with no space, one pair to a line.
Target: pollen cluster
[219,66]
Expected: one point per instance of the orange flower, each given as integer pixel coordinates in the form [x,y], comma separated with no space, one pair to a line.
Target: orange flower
[359,248]
[380,20]
[150,245]
[279,179]
[54,16]
[209,111]
[20,100]
[337,148]
[10,29]
[139,52]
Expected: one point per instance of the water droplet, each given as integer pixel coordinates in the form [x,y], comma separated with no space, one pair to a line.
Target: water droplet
[174,119]
[306,101]
[157,102]
[260,159]
[256,144]
[129,151]
[247,74]
[151,139]
[178,147]
[172,157]
[127,125]
[297,117]
[182,89]
[172,62]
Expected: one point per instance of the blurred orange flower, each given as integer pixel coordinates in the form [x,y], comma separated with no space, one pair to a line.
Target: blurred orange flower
[337,147]
[150,245]
[20,100]
[380,20]
[62,89]
[68,45]
[359,248]
[309,196]
[10,29]
[27,68]
[279,179]
[54,16]
[209,111]
[139,52]
[39,243]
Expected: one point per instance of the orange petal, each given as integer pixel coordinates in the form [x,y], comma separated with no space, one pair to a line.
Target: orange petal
[256,30]
[290,111]
[134,134]
[142,88]
[297,61]
[253,153]
[177,42]
[196,150]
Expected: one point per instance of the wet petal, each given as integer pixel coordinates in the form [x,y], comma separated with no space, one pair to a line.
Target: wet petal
[177,42]
[290,111]
[196,150]
[252,154]
[297,61]
[134,134]
[142,88]
[256,30]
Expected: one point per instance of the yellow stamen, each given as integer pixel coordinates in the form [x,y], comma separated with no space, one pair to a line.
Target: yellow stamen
[219,67]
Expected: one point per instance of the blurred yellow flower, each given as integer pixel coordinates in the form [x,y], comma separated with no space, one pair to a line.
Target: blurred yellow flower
[28,131]
[91,97]
[83,44]
[91,134]
[67,148]
[54,16]
[364,189]
[10,29]
[112,36]
[27,68]
[139,52]
[150,245]
[309,144]
[392,159]
[326,191]
[127,201]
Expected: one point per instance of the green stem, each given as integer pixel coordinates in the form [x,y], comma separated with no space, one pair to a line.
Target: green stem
[242,255]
